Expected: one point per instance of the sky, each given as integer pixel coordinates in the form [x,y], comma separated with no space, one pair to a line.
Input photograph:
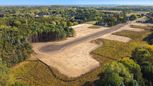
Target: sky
[75,2]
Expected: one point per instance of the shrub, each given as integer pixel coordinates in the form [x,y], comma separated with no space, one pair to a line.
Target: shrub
[115,74]
[144,57]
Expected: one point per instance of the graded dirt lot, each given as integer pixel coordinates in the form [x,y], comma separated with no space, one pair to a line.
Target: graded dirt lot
[117,38]
[84,30]
[71,56]
[74,60]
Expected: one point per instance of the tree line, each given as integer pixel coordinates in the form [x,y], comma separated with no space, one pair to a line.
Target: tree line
[111,19]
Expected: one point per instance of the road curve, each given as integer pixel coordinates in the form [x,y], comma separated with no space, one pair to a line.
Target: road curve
[54,48]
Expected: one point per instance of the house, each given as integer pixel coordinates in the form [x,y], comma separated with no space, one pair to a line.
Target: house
[1,14]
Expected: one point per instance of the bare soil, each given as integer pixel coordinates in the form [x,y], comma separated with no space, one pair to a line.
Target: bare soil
[73,61]
[117,38]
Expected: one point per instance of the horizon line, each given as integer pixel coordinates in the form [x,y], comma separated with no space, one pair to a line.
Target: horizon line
[76,4]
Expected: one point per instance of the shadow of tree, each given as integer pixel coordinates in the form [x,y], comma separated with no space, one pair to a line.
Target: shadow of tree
[149,38]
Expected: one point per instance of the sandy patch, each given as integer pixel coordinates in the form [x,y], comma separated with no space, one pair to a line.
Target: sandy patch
[134,29]
[116,38]
[140,24]
[72,62]
[84,30]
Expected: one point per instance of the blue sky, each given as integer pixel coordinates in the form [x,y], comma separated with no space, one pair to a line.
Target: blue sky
[75,2]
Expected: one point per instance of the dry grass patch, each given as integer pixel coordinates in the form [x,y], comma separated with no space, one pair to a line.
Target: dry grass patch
[37,73]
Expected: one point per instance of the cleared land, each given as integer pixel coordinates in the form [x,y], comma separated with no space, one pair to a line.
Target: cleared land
[71,57]
[74,60]
[117,38]
[39,74]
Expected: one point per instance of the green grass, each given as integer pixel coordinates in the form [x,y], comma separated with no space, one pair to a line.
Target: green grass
[36,73]
[142,27]
[117,50]
[133,35]
[91,22]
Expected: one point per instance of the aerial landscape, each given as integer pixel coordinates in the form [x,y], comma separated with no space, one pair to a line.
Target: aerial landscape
[76,43]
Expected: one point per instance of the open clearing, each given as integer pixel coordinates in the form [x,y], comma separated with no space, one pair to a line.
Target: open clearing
[117,38]
[72,61]
[72,57]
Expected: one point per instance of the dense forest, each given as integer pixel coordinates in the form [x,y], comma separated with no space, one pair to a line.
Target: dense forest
[111,19]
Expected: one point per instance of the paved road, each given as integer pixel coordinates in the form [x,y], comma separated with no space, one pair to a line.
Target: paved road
[53,48]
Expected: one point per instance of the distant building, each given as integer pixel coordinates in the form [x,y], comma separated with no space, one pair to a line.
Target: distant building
[42,15]
[36,15]
[1,14]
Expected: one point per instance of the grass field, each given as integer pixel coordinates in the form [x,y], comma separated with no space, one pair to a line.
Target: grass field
[117,50]
[91,22]
[36,73]
[142,27]
[133,35]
